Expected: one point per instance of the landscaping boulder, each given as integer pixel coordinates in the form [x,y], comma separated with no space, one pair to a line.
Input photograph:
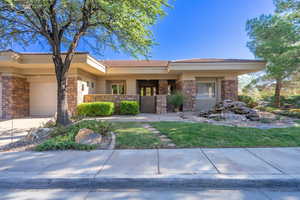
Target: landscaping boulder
[88,136]
[227,116]
[231,110]
[38,134]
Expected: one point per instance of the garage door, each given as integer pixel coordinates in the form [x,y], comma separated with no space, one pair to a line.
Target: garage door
[43,98]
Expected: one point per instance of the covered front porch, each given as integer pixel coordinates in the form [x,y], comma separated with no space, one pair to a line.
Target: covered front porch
[201,94]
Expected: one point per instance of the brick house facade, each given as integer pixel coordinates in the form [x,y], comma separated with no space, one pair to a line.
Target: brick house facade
[28,89]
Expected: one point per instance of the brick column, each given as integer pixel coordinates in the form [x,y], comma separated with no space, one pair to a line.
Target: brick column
[72,92]
[15,97]
[163,87]
[229,89]
[161,104]
[188,89]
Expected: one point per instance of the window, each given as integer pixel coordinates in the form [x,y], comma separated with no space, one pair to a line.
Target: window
[93,85]
[117,88]
[88,83]
[206,89]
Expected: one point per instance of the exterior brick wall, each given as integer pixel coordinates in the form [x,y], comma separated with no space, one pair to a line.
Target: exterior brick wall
[72,93]
[111,98]
[15,97]
[162,87]
[188,89]
[161,104]
[229,89]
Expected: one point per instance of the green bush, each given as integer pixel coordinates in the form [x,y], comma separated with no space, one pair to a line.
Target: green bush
[176,100]
[63,138]
[291,113]
[294,100]
[249,101]
[96,109]
[129,108]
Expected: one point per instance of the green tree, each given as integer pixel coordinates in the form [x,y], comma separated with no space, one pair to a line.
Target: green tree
[276,40]
[62,24]
[290,9]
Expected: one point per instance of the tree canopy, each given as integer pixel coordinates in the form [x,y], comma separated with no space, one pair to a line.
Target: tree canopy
[276,39]
[61,24]
[119,24]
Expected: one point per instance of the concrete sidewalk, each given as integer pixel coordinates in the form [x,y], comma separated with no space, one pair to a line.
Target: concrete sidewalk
[232,167]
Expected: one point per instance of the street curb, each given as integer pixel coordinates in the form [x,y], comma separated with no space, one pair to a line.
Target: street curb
[121,183]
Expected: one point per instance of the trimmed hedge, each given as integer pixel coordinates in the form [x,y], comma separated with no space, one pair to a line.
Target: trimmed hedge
[129,108]
[96,109]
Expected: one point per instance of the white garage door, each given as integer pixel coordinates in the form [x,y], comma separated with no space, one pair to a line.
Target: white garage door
[43,98]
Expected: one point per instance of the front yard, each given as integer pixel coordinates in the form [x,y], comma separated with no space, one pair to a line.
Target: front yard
[135,135]
[206,135]
[132,135]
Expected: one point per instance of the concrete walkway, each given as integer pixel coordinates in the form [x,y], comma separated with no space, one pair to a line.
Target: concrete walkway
[118,168]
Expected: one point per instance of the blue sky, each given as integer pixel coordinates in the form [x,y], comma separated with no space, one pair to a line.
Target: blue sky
[199,29]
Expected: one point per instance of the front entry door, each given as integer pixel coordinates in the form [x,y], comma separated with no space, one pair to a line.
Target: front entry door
[206,94]
[147,91]
[148,104]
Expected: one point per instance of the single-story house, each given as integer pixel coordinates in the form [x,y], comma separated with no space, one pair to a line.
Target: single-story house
[28,84]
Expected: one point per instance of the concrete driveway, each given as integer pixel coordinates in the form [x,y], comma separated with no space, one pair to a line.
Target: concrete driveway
[13,130]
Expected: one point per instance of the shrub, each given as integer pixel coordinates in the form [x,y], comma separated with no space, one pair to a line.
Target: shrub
[294,100]
[249,101]
[291,113]
[129,108]
[64,137]
[176,100]
[96,109]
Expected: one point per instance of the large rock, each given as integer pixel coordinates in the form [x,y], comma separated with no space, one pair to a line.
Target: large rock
[229,116]
[88,136]
[38,134]
[253,115]
[233,110]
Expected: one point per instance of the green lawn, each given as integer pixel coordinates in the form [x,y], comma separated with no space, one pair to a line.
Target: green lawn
[130,135]
[207,135]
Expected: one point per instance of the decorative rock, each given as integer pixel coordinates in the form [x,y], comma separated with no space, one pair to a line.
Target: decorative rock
[38,134]
[87,136]
[232,110]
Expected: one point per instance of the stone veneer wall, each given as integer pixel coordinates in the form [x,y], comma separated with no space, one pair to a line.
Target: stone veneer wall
[161,104]
[72,93]
[229,89]
[15,97]
[163,87]
[188,89]
[111,98]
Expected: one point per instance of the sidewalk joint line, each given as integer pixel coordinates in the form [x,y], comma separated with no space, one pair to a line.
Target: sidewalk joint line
[158,163]
[105,162]
[269,163]
[210,161]
[264,194]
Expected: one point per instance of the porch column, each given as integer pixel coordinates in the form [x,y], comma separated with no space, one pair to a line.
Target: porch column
[15,96]
[163,87]
[229,89]
[188,89]
[161,104]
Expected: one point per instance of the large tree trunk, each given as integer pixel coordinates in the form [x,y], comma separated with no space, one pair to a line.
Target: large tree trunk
[62,117]
[62,103]
[277,92]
